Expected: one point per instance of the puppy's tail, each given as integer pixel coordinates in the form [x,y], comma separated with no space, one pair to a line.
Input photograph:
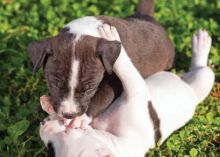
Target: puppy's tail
[145,7]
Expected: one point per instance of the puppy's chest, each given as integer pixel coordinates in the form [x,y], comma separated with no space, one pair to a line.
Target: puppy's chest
[122,111]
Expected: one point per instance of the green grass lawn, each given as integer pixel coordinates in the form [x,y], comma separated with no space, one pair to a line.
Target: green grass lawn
[22,21]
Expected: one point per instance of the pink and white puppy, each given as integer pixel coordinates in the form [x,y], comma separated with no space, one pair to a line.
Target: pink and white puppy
[148,110]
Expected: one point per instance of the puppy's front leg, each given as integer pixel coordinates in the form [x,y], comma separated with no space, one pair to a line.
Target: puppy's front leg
[128,117]
[132,81]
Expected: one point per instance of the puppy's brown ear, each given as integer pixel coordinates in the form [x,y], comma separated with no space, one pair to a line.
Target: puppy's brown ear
[47,104]
[109,52]
[38,51]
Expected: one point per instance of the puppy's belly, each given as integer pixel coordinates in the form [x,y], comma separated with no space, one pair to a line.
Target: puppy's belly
[173,99]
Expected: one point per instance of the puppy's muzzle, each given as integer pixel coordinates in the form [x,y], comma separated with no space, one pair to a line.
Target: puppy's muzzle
[71,115]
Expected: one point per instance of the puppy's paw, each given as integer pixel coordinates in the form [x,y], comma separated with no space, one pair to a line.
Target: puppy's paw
[201,45]
[109,32]
[81,122]
[201,42]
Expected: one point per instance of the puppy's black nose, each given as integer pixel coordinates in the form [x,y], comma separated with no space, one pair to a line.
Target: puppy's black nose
[69,115]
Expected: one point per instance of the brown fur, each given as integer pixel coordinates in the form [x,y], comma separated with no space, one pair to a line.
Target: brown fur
[156,122]
[58,65]
[145,41]
[145,7]
[149,48]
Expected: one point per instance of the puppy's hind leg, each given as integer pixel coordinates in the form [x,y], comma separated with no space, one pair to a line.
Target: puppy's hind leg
[200,77]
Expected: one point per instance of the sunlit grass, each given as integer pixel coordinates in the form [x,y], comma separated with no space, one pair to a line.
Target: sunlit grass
[24,21]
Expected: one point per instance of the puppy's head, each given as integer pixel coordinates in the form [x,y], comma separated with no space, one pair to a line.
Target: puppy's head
[73,68]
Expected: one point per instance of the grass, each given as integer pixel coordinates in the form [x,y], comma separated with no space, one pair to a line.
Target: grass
[24,21]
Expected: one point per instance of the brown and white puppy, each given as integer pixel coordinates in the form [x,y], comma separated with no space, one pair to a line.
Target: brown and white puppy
[78,62]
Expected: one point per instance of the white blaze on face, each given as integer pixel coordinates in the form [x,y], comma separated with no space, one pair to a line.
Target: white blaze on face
[84,26]
[68,105]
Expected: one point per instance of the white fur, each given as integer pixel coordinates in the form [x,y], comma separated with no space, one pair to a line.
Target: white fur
[174,99]
[199,53]
[85,26]
[126,128]
[48,131]
[68,105]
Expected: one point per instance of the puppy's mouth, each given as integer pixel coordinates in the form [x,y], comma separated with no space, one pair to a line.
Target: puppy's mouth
[72,115]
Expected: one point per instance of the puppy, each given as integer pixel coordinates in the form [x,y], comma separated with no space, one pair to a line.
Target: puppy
[147,111]
[78,62]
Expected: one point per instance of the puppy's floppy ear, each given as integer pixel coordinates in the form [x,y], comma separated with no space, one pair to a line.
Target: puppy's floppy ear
[38,51]
[109,52]
[47,104]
